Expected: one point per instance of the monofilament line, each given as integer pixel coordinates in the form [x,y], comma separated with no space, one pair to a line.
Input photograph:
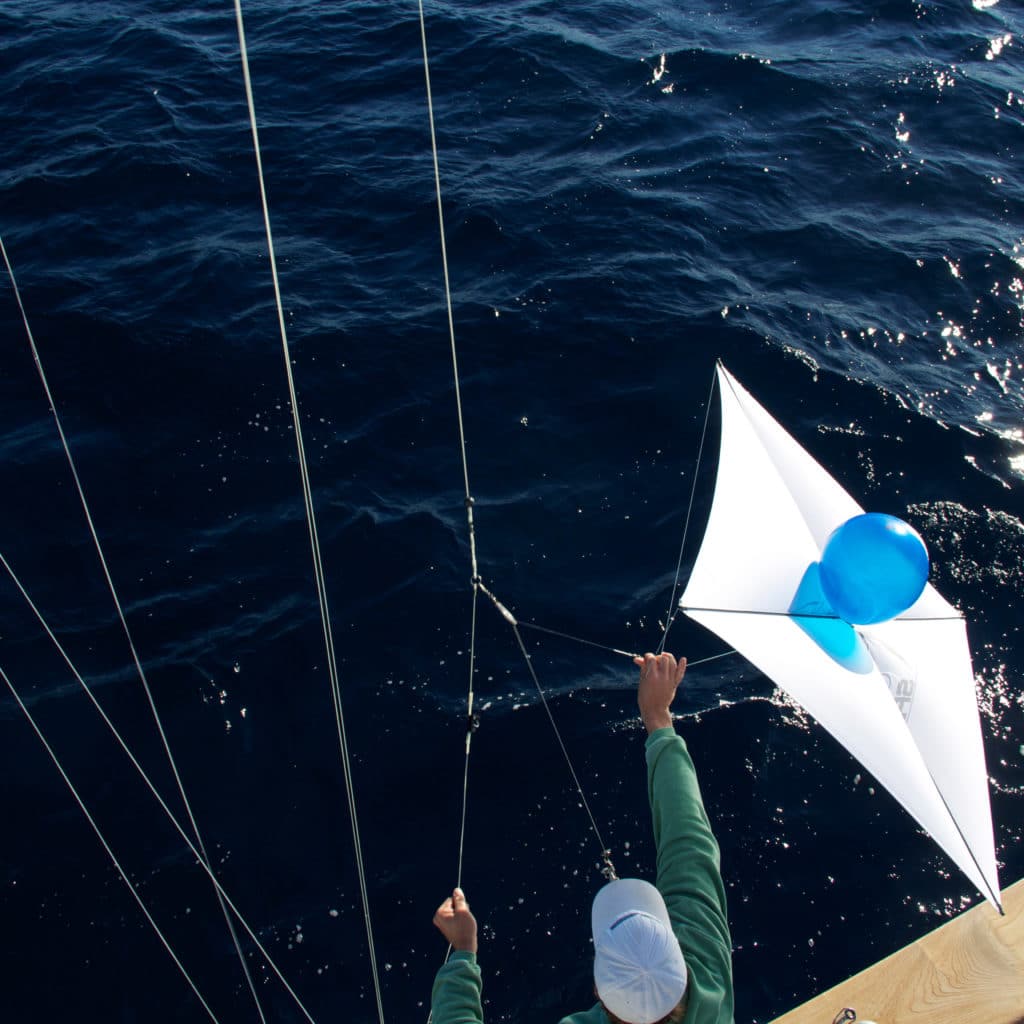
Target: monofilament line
[578,640]
[614,650]
[469,737]
[314,540]
[152,788]
[467,495]
[447,278]
[477,584]
[124,622]
[106,846]
[561,742]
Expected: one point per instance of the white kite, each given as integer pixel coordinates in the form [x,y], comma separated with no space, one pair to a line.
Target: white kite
[899,694]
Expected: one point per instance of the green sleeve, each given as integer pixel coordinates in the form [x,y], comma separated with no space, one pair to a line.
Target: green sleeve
[457,988]
[689,876]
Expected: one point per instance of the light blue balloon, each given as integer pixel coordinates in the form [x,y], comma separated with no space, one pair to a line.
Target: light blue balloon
[874,567]
[817,618]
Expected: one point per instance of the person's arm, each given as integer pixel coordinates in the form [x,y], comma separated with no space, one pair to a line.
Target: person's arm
[688,856]
[455,998]
[689,872]
[689,876]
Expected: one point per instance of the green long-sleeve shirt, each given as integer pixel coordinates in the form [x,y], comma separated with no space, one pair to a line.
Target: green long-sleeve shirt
[690,880]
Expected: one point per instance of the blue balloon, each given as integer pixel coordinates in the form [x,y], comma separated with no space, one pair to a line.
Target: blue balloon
[873,567]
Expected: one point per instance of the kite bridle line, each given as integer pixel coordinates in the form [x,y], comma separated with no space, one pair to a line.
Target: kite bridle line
[673,609]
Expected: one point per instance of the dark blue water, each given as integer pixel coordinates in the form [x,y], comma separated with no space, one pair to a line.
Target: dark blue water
[828,197]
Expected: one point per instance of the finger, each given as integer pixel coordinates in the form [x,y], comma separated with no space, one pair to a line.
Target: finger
[444,909]
[638,661]
[458,897]
[680,671]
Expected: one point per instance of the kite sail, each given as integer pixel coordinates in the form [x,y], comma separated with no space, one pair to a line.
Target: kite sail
[907,710]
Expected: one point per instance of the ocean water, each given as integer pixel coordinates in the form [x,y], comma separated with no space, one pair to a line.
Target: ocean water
[827,197]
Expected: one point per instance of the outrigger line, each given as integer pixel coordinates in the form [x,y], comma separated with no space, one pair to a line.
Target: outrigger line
[314,539]
[149,785]
[106,846]
[198,849]
[127,632]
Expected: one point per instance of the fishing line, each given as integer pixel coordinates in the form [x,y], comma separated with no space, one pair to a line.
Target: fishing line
[307,493]
[447,283]
[609,868]
[616,650]
[477,582]
[468,498]
[124,622]
[673,611]
[106,846]
[469,501]
[152,788]
[471,724]
[578,640]
[712,657]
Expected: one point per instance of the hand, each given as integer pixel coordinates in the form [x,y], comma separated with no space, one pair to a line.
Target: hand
[456,923]
[660,675]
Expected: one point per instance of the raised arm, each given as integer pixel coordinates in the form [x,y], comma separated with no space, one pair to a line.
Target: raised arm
[660,676]
[456,996]
[689,876]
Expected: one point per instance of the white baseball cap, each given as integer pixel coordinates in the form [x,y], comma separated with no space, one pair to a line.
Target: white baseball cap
[639,970]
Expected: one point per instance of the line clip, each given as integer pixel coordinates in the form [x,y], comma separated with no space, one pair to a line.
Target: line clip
[505,613]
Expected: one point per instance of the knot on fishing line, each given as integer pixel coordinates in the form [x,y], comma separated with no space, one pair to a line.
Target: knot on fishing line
[608,870]
[472,723]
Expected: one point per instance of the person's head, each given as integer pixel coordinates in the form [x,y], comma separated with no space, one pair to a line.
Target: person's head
[675,1016]
[639,971]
